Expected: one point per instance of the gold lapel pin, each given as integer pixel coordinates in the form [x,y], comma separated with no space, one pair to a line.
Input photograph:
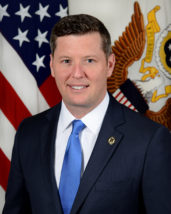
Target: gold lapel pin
[111,140]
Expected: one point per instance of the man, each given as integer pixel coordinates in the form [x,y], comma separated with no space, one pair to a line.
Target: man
[125,165]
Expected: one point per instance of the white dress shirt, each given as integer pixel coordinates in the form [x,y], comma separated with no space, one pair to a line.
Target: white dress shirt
[93,121]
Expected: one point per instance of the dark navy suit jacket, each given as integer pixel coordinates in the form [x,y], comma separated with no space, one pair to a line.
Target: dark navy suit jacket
[131,176]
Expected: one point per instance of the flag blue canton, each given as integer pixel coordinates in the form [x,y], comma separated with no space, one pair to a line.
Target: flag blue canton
[27,26]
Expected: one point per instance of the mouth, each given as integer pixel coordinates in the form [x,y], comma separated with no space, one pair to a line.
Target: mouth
[78,87]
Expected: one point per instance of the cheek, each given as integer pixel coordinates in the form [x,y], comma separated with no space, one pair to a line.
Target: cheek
[99,81]
[58,72]
[61,76]
[102,74]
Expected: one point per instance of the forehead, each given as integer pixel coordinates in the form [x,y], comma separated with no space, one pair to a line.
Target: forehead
[88,39]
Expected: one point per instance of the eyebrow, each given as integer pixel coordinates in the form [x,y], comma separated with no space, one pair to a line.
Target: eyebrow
[63,57]
[89,56]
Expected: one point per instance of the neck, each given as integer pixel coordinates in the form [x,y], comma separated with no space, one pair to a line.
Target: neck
[79,112]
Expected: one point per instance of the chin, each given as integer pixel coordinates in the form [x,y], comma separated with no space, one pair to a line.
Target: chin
[79,104]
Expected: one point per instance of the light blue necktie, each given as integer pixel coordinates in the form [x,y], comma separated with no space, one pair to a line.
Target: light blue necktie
[71,169]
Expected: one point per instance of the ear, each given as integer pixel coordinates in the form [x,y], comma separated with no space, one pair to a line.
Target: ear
[51,66]
[111,64]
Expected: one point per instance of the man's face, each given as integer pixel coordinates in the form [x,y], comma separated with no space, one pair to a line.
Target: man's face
[80,69]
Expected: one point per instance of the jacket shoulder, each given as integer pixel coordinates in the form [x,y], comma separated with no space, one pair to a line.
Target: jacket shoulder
[134,120]
[39,119]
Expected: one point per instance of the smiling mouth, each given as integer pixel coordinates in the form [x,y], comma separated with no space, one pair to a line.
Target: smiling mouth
[78,87]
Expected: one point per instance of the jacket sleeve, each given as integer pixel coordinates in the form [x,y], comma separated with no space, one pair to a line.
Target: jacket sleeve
[156,182]
[17,198]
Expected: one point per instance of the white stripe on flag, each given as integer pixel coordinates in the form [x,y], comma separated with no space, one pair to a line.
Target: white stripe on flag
[7,135]
[123,100]
[2,198]
[128,103]
[20,78]
[120,97]
[117,92]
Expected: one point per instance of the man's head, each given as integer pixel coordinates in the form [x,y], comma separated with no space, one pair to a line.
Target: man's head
[80,25]
[81,62]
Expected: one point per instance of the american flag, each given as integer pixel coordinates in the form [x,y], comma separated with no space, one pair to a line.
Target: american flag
[26,86]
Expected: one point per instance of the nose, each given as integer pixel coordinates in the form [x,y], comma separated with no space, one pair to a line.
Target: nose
[77,71]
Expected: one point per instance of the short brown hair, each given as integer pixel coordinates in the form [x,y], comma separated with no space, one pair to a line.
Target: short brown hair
[79,25]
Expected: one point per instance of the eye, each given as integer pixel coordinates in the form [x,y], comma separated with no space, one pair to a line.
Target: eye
[66,61]
[90,60]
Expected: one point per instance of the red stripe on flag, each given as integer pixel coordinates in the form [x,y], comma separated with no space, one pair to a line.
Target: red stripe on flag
[130,105]
[4,170]
[121,98]
[125,102]
[10,103]
[116,96]
[50,91]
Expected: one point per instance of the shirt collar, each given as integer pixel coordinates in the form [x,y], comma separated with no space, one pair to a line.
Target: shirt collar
[93,120]
[65,118]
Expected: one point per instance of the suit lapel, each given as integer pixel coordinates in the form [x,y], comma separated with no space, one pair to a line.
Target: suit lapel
[102,152]
[48,154]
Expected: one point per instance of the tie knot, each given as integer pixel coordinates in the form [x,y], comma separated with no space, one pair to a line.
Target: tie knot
[78,126]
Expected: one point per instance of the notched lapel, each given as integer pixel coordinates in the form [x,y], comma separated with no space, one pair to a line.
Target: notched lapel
[48,154]
[106,144]
[48,134]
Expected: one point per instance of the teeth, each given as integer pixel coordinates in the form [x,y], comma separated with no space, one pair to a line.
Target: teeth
[77,87]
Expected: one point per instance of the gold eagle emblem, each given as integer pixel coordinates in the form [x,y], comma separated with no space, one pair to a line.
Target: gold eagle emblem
[128,49]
